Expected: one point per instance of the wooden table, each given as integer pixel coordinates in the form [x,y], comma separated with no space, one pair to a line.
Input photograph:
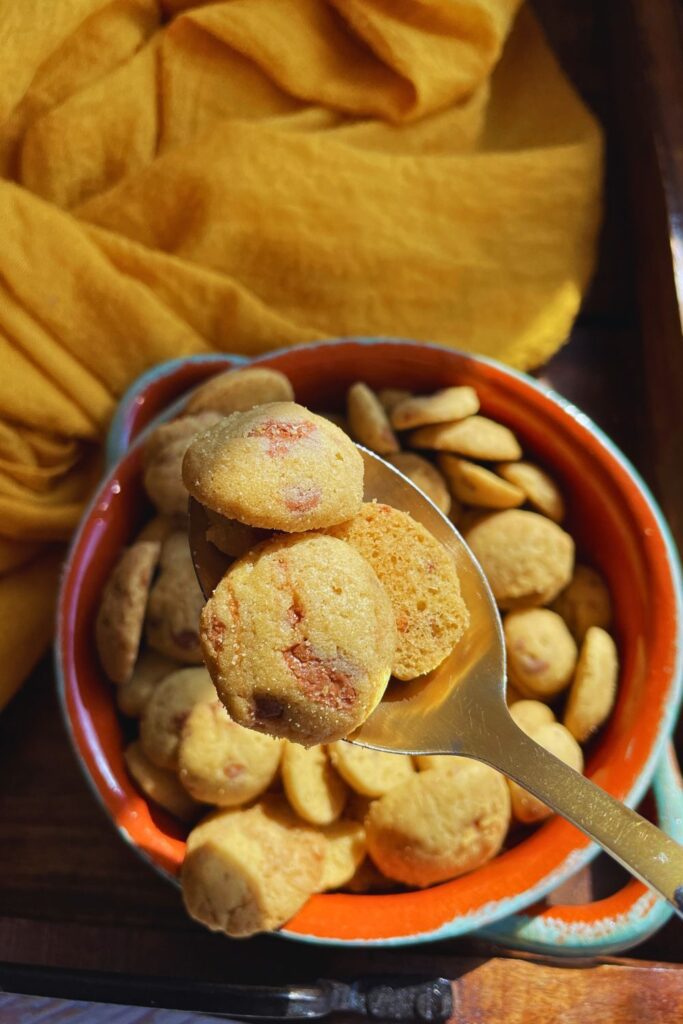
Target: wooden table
[73,896]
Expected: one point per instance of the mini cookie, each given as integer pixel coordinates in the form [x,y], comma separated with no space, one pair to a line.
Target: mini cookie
[230,536]
[390,397]
[159,784]
[370,772]
[540,490]
[167,711]
[526,557]
[368,422]
[476,437]
[163,460]
[439,824]
[420,577]
[118,626]
[425,476]
[442,407]
[133,695]
[541,653]
[585,602]
[221,763]
[172,624]
[478,486]
[560,742]
[299,637]
[530,715]
[248,871]
[312,786]
[594,689]
[279,467]
[344,852]
[239,390]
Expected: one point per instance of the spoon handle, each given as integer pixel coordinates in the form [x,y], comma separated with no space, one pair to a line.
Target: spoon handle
[642,848]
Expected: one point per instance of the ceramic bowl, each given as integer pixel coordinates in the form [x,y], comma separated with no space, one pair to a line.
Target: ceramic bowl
[618,528]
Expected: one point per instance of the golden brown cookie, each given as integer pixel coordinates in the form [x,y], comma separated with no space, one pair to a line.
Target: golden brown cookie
[163,460]
[230,536]
[560,742]
[443,406]
[439,824]
[424,475]
[167,711]
[118,626]
[299,637]
[312,786]
[248,871]
[344,852]
[526,558]
[133,695]
[530,715]
[420,577]
[390,397]
[160,784]
[540,490]
[370,772]
[585,602]
[475,485]
[476,438]
[175,601]
[239,390]
[541,652]
[279,467]
[368,422]
[594,689]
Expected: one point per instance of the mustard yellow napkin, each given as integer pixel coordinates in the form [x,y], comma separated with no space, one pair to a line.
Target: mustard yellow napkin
[247,174]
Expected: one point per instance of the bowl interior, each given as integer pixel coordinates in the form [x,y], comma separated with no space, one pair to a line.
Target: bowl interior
[617,529]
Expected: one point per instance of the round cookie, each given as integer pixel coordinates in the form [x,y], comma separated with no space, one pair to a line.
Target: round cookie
[133,695]
[540,490]
[527,559]
[541,652]
[530,715]
[560,742]
[585,602]
[476,438]
[230,536]
[159,784]
[425,476]
[299,637]
[121,613]
[279,467]
[370,772]
[167,711]
[443,406]
[594,689]
[312,786]
[175,601]
[439,824]
[344,853]
[475,485]
[239,390]
[420,577]
[163,460]
[248,871]
[368,422]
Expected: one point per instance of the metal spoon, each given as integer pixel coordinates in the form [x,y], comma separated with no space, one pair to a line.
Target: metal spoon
[460,708]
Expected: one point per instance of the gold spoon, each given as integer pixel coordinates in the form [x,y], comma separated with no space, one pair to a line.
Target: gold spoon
[460,708]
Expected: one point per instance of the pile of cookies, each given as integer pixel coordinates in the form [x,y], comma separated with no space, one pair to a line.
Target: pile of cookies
[284,493]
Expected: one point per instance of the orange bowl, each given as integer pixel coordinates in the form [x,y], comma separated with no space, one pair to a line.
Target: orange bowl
[617,527]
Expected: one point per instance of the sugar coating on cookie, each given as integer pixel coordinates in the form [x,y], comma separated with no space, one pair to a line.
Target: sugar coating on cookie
[540,490]
[121,613]
[476,438]
[476,485]
[368,422]
[163,460]
[443,406]
[299,637]
[248,871]
[371,773]
[345,848]
[421,580]
[584,602]
[167,711]
[313,787]
[239,390]
[175,601]
[527,559]
[230,536]
[160,784]
[278,467]
[541,652]
[439,824]
[424,475]
[526,807]
[133,695]
[594,688]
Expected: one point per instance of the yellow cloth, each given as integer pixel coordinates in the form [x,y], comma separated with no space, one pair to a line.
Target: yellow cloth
[177,177]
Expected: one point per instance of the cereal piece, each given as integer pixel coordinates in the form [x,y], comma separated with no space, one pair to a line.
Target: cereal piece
[368,422]
[344,852]
[167,711]
[390,397]
[526,557]
[560,742]
[444,406]
[159,784]
[425,476]
[118,626]
[279,467]
[163,459]
[478,486]
[313,787]
[172,625]
[439,824]
[541,653]
[448,762]
[420,577]
[370,772]
[594,689]
[239,390]
[476,437]
[133,695]
[540,490]
[232,537]
[530,715]
[248,871]
[299,637]
[159,528]
[585,602]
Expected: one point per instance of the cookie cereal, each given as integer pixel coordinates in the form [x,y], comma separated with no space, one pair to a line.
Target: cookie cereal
[368,422]
[424,475]
[175,601]
[121,613]
[443,406]
[560,742]
[160,784]
[594,689]
[541,652]
[539,489]
[369,772]
[475,485]
[476,438]
[313,787]
[240,390]
[167,711]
